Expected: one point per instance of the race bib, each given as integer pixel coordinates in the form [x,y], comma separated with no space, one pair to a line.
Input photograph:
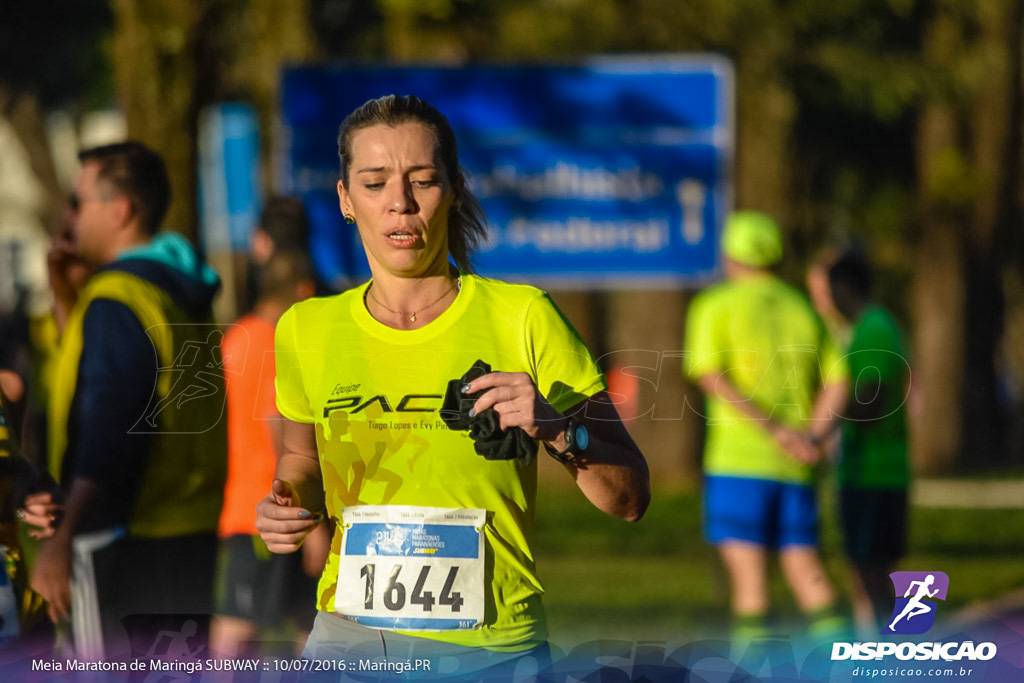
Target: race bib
[412,568]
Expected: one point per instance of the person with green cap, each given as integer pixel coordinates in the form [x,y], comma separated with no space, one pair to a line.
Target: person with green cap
[773,381]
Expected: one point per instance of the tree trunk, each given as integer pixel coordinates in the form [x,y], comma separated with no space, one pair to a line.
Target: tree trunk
[937,372]
[995,159]
[766,111]
[155,68]
[1011,245]
[937,296]
[267,35]
[663,411]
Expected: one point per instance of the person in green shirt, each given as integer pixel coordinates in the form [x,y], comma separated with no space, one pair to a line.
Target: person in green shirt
[772,378]
[873,466]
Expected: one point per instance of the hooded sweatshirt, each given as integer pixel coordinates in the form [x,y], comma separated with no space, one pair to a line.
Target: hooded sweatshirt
[142,405]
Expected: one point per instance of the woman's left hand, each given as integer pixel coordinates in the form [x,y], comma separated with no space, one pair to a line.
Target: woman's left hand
[518,403]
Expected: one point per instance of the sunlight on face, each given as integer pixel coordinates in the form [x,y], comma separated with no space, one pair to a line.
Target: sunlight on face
[93,224]
[400,194]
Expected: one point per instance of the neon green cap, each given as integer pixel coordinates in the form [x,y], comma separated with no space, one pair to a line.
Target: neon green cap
[752,238]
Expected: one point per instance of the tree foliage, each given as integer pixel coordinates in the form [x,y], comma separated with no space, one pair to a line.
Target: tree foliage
[55,51]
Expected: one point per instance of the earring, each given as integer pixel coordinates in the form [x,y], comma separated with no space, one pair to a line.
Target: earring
[349,218]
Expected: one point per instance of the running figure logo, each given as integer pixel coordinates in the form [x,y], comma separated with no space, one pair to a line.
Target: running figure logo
[914,612]
[195,378]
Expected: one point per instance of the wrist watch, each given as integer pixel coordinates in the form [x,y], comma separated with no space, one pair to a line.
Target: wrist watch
[577,438]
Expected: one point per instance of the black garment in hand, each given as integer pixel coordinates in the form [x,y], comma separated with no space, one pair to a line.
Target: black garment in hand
[484,428]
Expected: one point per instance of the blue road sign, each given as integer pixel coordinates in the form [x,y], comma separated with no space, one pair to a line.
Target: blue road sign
[229,176]
[611,173]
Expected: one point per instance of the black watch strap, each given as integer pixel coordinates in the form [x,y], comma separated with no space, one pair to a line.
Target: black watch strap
[568,453]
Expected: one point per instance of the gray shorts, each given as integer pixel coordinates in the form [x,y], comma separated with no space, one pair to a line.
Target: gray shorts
[339,643]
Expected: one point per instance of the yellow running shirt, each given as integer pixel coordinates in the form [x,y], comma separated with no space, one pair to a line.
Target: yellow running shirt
[373,394]
[766,338]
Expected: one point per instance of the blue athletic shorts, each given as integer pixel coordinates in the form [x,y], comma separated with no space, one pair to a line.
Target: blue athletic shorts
[770,513]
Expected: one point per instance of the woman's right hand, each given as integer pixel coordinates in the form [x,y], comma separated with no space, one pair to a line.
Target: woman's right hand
[282,522]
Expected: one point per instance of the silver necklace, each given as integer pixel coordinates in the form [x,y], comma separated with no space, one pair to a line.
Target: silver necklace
[412,316]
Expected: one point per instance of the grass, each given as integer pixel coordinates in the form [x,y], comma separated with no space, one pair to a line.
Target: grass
[658,580]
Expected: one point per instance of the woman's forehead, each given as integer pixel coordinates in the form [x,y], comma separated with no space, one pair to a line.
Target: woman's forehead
[410,135]
[405,144]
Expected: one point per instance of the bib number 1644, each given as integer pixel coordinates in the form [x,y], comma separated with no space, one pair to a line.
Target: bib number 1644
[412,569]
[394,592]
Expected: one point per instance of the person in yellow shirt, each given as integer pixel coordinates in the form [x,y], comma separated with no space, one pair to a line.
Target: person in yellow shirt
[773,381]
[433,550]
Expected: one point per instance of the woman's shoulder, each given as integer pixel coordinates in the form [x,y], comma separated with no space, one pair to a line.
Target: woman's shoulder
[317,307]
[510,292]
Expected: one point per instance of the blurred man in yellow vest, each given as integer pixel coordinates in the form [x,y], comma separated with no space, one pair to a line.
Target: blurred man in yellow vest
[136,435]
